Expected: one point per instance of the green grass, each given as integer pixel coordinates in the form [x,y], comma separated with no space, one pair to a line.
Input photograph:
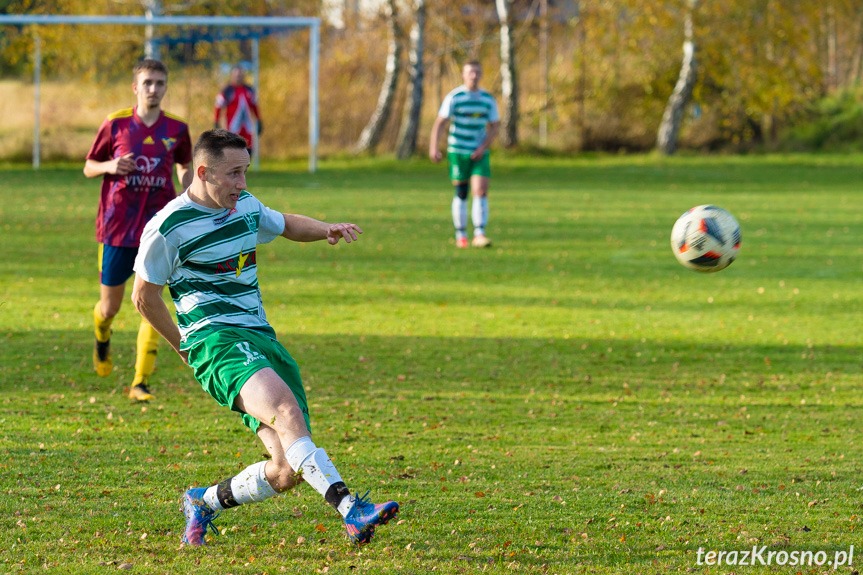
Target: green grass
[571,400]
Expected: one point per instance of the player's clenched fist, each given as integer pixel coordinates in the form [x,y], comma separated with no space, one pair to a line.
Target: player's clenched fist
[124,165]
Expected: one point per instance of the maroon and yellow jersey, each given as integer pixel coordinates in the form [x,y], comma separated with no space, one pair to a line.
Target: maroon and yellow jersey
[128,202]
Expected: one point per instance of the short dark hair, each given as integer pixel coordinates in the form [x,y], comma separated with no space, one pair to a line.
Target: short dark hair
[473,63]
[148,64]
[211,145]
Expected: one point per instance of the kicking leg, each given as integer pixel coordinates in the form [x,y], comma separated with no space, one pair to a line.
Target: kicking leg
[266,397]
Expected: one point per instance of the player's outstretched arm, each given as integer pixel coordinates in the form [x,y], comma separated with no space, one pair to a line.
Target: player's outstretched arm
[305,229]
[147,299]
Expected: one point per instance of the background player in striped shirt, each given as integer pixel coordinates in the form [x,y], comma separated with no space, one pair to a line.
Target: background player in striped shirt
[240,103]
[135,153]
[204,245]
[474,123]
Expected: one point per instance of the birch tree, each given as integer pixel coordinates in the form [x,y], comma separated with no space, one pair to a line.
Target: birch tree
[509,82]
[672,118]
[371,134]
[410,123]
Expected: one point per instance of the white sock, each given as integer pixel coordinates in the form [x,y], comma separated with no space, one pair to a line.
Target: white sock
[319,472]
[248,486]
[211,498]
[479,211]
[459,217]
[346,504]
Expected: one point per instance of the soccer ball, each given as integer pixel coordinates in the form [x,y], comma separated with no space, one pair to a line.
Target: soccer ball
[706,239]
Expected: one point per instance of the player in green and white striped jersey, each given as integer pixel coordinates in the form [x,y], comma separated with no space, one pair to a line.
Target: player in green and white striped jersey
[203,245]
[475,121]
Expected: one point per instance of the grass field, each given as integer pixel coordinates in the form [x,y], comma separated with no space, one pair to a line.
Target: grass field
[571,400]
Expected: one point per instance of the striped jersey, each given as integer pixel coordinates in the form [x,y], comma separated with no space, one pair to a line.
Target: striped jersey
[128,202]
[470,113]
[208,259]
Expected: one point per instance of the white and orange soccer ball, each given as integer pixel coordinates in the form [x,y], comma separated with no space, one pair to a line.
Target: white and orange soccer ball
[706,239]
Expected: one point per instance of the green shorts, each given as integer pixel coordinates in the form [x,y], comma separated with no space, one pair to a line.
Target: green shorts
[226,359]
[461,167]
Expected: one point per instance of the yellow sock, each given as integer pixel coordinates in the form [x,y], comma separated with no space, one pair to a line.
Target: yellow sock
[148,344]
[103,326]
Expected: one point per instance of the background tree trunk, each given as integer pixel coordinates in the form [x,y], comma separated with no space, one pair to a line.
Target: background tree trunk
[672,118]
[371,134]
[509,82]
[411,120]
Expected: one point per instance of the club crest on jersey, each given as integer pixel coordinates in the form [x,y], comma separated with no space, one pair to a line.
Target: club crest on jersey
[251,222]
[222,219]
[169,143]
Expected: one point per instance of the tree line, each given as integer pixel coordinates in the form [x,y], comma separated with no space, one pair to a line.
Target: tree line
[569,74]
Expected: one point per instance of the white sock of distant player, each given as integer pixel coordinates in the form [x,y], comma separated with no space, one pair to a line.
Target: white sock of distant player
[319,472]
[248,486]
[479,211]
[459,217]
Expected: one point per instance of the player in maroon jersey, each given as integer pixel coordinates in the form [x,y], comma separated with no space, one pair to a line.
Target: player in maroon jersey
[240,104]
[135,152]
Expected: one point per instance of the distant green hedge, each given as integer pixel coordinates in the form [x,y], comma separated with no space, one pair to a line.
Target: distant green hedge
[834,124]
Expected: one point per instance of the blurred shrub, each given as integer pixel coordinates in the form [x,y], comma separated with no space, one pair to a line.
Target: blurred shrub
[833,124]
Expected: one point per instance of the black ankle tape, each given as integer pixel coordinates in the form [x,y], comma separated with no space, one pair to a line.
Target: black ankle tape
[225,495]
[336,493]
[461,190]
